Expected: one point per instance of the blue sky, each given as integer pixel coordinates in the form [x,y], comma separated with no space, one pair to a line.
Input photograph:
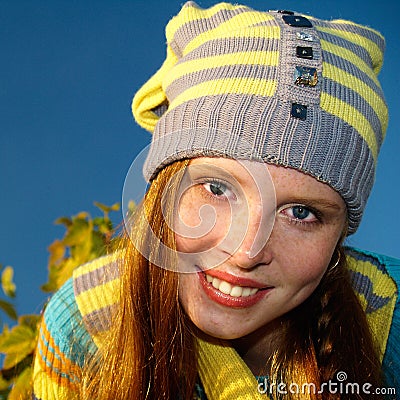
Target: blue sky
[69,70]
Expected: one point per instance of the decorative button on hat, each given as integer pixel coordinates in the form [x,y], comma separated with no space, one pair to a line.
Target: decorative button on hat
[297,20]
[305,76]
[304,52]
[276,87]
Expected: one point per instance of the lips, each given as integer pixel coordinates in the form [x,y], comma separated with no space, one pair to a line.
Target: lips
[232,291]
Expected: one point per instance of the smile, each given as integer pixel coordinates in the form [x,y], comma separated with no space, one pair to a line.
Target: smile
[231,290]
[237,293]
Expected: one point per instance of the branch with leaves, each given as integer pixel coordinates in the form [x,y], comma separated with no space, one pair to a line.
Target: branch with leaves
[85,239]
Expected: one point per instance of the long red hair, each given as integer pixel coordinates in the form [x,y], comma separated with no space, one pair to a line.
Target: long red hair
[150,353]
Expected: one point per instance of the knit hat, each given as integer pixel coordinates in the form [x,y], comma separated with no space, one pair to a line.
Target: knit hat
[276,87]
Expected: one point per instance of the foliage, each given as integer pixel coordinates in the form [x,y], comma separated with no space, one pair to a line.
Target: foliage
[85,238]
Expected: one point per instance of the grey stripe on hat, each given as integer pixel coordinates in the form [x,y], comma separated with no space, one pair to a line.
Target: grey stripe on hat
[229,46]
[352,97]
[181,84]
[353,28]
[346,44]
[191,29]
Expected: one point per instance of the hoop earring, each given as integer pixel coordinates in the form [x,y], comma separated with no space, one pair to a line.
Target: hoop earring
[337,261]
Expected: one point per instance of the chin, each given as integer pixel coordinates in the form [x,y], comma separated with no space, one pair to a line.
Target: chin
[222,332]
[223,335]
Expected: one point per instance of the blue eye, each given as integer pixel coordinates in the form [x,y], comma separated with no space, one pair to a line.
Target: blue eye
[300,212]
[219,190]
[216,188]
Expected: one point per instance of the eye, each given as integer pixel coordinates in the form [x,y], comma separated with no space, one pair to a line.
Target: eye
[300,213]
[218,189]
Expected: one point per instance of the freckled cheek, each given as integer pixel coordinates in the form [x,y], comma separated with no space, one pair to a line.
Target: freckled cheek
[198,243]
[300,278]
[303,263]
[188,212]
[199,226]
[309,273]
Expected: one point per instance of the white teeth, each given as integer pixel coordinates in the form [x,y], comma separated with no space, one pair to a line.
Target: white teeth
[216,282]
[227,288]
[236,291]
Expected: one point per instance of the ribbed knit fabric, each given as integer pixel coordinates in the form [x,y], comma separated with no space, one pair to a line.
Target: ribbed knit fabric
[84,304]
[224,374]
[273,87]
[62,347]
[80,312]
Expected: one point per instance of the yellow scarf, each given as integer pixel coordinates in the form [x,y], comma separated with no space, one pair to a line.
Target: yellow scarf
[224,375]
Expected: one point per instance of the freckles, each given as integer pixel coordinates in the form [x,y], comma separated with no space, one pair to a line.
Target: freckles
[187,214]
[311,265]
[302,258]
[303,266]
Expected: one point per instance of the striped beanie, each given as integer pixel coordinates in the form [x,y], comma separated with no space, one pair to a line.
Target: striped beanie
[276,87]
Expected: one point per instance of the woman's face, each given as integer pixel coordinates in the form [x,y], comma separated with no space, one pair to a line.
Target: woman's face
[251,249]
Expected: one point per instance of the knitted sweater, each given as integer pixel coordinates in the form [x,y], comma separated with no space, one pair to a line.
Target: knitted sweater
[80,311]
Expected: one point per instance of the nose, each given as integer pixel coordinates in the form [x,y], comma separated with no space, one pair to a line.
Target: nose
[242,259]
[247,241]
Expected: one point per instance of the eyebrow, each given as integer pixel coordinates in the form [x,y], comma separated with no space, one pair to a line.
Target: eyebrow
[213,170]
[318,203]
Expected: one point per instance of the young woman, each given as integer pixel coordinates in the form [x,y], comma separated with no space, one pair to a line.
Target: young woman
[232,281]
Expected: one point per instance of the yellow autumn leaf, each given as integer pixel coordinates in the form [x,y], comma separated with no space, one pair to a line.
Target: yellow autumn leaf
[16,344]
[77,232]
[57,252]
[7,283]
[115,207]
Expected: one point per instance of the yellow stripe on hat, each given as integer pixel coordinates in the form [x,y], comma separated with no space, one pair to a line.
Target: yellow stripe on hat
[371,47]
[234,27]
[151,95]
[270,58]
[352,116]
[346,22]
[349,56]
[248,86]
[189,14]
[360,87]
